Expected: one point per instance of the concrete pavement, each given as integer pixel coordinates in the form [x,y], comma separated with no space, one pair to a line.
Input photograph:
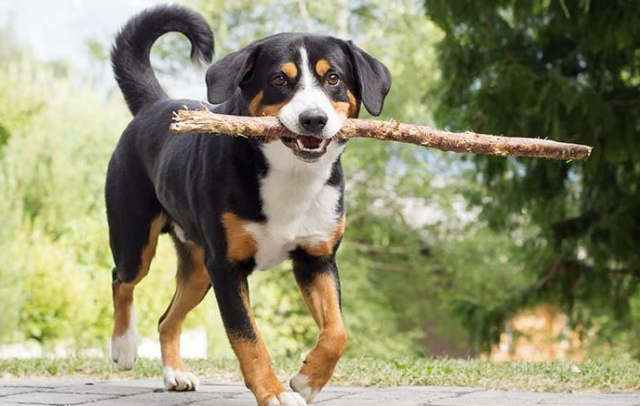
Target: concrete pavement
[21,392]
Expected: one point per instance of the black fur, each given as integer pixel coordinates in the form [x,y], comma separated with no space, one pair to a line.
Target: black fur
[374,79]
[224,77]
[130,54]
[307,267]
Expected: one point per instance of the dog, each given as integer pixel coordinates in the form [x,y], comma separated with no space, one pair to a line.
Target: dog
[231,204]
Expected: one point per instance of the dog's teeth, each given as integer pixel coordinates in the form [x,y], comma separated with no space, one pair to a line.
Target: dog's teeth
[302,147]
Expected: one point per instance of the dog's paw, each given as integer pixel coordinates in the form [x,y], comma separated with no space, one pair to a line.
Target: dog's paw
[124,349]
[300,384]
[287,399]
[179,380]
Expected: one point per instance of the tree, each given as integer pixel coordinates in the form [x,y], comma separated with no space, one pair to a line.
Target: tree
[568,69]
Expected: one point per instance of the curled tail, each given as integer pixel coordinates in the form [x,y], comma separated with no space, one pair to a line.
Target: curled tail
[130,53]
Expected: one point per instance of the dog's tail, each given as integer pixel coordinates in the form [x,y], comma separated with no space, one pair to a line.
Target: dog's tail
[130,52]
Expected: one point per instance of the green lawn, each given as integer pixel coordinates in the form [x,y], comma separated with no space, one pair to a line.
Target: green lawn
[611,376]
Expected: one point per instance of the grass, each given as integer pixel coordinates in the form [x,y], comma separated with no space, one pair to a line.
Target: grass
[556,376]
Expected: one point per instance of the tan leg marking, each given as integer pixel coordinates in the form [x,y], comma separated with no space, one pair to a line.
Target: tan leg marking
[324,248]
[321,298]
[122,302]
[322,67]
[290,70]
[123,292]
[240,244]
[124,341]
[192,283]
[255,362]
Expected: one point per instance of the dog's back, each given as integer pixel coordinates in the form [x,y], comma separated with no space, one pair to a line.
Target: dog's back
[149,158]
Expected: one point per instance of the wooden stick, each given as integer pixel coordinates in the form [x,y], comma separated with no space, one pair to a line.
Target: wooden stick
[205,122]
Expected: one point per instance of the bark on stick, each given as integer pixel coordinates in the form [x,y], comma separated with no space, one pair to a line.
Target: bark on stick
[205,122]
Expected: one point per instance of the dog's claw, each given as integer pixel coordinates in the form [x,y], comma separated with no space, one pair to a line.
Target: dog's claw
[300,384]
[287,399]
[180,380]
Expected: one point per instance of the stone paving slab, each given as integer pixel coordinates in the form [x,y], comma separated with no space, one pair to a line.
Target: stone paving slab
[14,392]
[9,390]
[51,398]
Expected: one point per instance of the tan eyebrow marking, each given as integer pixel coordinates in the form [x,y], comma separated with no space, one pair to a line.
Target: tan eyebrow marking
[290,70]
[322,66]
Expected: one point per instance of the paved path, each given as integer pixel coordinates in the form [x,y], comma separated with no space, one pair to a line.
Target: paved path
[21,392]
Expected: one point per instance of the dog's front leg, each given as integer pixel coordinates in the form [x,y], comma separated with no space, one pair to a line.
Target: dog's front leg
[319,284]
[230,285]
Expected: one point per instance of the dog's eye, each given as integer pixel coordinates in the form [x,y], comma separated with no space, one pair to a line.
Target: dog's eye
[279,80]
[333,79]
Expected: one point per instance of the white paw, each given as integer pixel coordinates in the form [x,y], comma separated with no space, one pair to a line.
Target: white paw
[300,384]
[124,349]
[288,399]
[178,380]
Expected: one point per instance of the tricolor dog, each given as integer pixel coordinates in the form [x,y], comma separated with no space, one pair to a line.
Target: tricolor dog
[233,205]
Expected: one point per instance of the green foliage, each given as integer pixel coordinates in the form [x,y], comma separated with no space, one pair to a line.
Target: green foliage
[56,264]
[53,241]
[570,70]
[16,108]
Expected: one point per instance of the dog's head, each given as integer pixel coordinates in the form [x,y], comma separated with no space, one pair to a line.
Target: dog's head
[312,83]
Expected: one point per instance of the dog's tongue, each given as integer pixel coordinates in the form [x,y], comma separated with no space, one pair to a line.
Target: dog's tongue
[310,142]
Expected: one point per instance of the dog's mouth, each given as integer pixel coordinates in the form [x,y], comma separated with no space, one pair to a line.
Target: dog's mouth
[306,147]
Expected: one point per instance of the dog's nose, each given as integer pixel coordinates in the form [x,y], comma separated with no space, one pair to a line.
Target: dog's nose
[313,120]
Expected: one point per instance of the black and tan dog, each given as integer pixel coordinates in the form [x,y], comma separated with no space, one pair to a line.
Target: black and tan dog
[233,205]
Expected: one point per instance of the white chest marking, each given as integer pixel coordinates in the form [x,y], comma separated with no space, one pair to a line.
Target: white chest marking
[299,205]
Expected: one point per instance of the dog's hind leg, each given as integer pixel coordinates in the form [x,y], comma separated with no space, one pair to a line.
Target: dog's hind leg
[192,285]
[135,221]
[124,342]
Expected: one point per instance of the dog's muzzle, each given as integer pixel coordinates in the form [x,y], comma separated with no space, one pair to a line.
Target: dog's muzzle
[309,145]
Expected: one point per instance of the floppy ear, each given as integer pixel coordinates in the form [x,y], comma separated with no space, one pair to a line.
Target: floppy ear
[225,76]
[374,79]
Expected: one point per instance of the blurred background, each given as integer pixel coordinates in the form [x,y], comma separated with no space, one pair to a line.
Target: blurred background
[444,255]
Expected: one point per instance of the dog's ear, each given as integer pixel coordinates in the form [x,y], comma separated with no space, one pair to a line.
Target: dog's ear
[374,79]
[225,76]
